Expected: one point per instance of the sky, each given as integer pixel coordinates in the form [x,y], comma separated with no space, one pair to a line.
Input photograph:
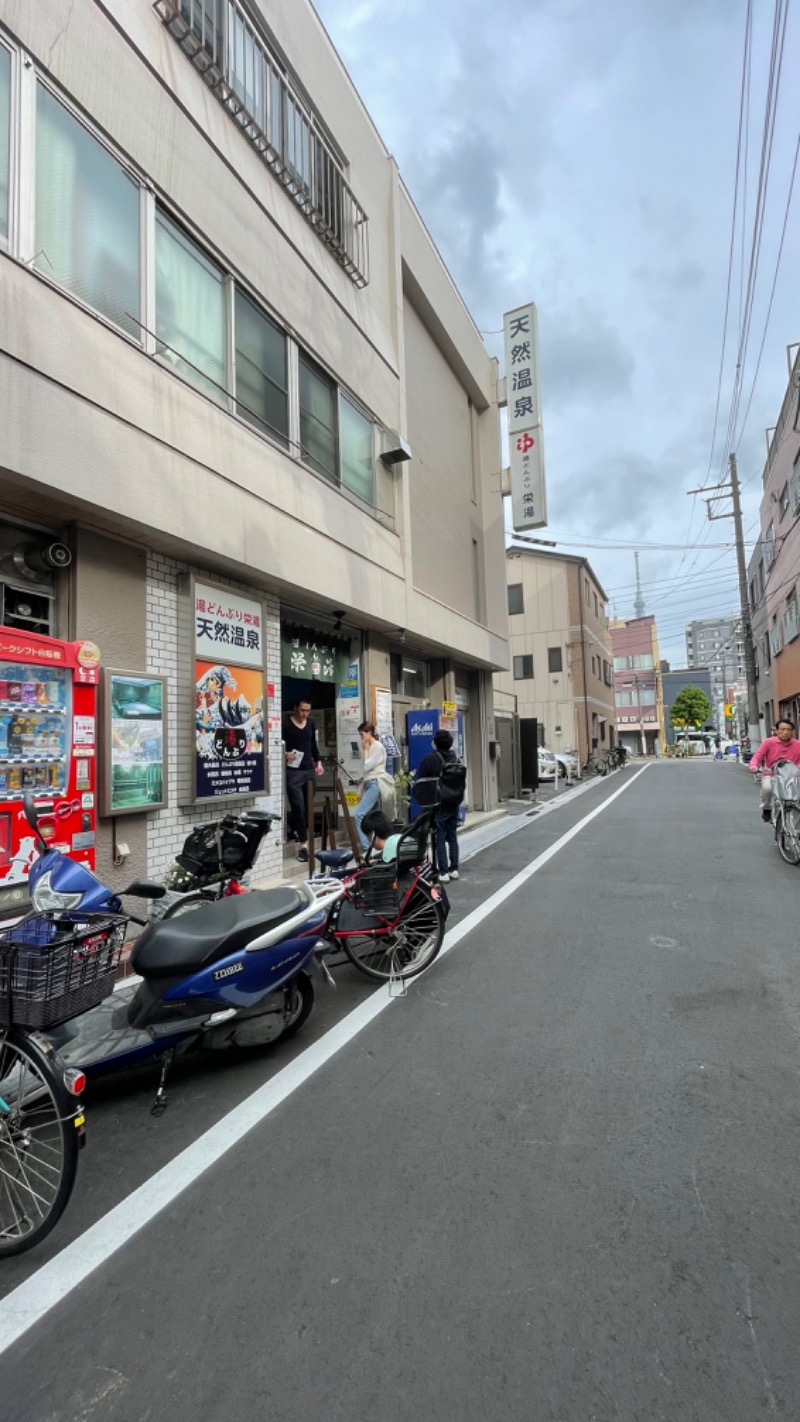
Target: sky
[583,156]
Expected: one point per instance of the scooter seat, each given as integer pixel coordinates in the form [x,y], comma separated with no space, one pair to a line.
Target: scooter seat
[333,858]
[191,941]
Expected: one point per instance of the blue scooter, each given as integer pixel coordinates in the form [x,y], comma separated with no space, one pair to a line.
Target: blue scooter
[236,974]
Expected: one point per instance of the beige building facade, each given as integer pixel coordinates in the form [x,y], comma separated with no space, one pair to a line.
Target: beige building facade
[231,351]
[560,669]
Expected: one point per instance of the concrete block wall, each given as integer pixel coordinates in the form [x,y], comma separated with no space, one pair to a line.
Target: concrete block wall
[167,830]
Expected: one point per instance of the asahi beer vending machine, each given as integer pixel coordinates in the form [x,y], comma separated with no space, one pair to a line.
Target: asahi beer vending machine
[48,746]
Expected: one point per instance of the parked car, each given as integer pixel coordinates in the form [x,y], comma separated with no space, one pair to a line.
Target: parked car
[548,764]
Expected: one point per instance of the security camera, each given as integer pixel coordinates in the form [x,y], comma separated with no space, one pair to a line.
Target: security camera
[56,555]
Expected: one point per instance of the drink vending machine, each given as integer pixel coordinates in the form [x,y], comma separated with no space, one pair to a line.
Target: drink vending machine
[48,745]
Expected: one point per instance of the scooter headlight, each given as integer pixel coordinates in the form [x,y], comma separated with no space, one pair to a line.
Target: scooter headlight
[47,899]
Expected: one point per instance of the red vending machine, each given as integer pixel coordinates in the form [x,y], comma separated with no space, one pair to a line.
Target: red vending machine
[48,745]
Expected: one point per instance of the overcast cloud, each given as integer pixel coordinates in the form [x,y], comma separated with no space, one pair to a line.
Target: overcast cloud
[582,156]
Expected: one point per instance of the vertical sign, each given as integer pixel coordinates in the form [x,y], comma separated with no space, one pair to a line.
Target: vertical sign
[526,450]
[228,694]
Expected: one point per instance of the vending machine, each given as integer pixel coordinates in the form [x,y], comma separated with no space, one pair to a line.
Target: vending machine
[48,745]
[421,727]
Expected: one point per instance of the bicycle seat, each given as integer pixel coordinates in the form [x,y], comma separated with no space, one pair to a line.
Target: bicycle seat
[333,858]
[191,941]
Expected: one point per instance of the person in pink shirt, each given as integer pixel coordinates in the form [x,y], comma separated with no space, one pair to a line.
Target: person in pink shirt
[782,746]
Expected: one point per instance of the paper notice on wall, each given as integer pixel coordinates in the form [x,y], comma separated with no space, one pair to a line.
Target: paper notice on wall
[83,730]
[348,720]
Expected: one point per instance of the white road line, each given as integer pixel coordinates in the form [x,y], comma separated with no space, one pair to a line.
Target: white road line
[30,1301]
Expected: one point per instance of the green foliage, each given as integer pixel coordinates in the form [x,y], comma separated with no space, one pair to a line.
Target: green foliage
[402,784]
[691,707]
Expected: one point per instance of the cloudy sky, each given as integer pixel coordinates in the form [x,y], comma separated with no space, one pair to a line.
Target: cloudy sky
[582,155]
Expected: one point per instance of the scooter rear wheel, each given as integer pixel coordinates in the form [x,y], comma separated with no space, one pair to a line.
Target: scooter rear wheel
[38,1144]
[295,1018]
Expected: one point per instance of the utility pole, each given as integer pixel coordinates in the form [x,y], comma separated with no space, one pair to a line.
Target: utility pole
[747,626]
[718,491]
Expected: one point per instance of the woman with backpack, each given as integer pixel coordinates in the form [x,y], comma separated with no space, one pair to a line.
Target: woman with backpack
[442,764]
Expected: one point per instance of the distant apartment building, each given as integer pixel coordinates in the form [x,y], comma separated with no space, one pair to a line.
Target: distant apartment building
[717,643]
[774,571]
[560,651]
[673,682]
[638,695]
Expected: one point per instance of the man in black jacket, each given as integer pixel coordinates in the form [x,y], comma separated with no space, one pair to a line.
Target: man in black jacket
[431,767]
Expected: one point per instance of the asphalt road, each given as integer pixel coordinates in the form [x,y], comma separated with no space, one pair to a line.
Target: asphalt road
[555,1183]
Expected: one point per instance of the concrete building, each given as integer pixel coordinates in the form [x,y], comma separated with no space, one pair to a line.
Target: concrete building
[716,642]
[638,691]
[774,569]
[232,353]
[673,681]
[560,650]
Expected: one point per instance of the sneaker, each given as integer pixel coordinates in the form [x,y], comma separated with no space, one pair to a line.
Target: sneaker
[766,815]
[302,855]
[453,873]
[444,878]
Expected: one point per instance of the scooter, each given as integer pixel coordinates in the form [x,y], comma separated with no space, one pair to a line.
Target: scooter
[234,975]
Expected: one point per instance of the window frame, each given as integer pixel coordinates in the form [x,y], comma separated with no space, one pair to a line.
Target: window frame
[516,611]
[555,654]
[525,659]
[8,239]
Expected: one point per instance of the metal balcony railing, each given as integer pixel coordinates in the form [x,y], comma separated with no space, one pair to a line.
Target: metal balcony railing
[225,47]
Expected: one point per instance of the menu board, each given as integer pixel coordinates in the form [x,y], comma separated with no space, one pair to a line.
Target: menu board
[135,750]
[34,729]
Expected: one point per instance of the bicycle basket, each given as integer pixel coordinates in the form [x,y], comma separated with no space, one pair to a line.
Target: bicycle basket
[55,966]
[375,890]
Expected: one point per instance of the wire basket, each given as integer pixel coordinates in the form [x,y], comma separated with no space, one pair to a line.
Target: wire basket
[54,966]
[376,892]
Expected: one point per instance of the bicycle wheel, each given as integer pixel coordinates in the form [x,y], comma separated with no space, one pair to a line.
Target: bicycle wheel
[406,949]
[39,1122]
[190,904]
[601,767]
[788,835]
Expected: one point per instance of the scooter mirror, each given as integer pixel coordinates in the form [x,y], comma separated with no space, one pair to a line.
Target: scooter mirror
[31,813]
[144,889]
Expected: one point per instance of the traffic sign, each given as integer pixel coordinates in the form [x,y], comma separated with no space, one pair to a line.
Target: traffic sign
[730,710]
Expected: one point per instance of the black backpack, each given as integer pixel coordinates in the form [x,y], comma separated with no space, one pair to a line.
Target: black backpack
[452,783]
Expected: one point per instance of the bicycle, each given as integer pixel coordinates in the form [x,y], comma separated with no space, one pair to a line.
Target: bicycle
[53,966]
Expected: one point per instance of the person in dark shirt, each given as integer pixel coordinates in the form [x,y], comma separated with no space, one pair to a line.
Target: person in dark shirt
[302,764]
[447,815]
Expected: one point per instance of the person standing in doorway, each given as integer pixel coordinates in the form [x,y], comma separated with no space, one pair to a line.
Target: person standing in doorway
[374,766]
[302,764]
[450,797]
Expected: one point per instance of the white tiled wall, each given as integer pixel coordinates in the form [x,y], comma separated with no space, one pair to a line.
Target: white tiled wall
[167,830]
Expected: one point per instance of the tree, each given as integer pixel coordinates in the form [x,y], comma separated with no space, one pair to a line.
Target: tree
[691,708]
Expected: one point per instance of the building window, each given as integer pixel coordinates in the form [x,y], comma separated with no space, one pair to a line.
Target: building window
[642,662]
[238,66]
[190,309]
[355,450]
[261,384]
[596,609]
[318,436]
[783,502]
[607,678]
[523,668]
[647,696]
[5,137]
[554,659]
[624,698]
[409,677]
[515,599]
[87,216]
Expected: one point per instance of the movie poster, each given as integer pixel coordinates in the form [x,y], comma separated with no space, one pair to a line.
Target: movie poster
[229,728]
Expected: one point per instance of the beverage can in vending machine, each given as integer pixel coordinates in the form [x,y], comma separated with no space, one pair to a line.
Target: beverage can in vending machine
[54,693]
[28,777]
[3,691]
[15,691]
[42,695]
[14,778]
[40,777]
[28,693]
